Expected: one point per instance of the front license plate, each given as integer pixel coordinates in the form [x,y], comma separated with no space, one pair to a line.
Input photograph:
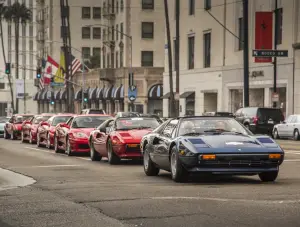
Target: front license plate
[270,122]
[133,145]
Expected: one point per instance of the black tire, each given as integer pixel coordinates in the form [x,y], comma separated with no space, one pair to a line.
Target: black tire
[22,137]
[38,140]
[56,149]
[113,159]
[30,138]
[275,134]
[268,176]
[68,148]
[296,135]
[95,156]
[48,145]
[6,135]
[247,126]
[12,136]
[150,168]
[179,174]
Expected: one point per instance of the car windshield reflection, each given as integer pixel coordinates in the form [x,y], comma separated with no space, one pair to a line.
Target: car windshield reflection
[136,123]
[88,122]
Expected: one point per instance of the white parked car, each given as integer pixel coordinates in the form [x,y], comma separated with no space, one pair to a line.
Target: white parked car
[289,128]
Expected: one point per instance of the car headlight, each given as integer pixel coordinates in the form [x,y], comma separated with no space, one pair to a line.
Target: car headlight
[184,151]
[81,135]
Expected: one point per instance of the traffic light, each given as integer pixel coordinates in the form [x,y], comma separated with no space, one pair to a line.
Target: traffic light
[85,96]
[7,68]
[38,73]
[52,102]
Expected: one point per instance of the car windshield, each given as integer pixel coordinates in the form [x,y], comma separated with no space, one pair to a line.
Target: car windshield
[202,126]
[89,121]
[96,112]
[60,119]
[39,119]
[136,123]
[20,118]
[3,119]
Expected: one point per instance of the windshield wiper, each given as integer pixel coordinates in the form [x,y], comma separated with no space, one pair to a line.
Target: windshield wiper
[192,134]
[216,131]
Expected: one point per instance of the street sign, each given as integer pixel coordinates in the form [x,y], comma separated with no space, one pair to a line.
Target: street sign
[132,98]
[269,53]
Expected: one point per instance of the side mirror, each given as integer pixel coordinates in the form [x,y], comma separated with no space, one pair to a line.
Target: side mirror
[102,130]
[64,125]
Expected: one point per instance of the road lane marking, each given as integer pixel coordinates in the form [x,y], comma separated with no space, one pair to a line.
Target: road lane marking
[82,158]
[292,160]
[48,166]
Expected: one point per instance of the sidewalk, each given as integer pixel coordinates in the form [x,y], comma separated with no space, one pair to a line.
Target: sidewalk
[10,180]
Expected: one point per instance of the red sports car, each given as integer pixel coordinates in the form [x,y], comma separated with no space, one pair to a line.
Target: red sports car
[29,127]
[120,139]
[73,136]
[13,127]
[46,129]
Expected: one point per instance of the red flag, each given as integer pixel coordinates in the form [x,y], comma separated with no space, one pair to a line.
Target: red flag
[263,33]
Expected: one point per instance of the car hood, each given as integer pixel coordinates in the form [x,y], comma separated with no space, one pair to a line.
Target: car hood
[136,134]
[86,131]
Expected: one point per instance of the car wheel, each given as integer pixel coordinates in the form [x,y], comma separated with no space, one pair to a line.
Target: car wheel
[68,148]
[247,126]
[38,140]
[296,134]
[30,138]
[12,136]
[56,149]
[22,137]
[275,134]
[48,145]
[6,135]
[149,167]
[268,176]
[113,159]
[179,174]
[95,156]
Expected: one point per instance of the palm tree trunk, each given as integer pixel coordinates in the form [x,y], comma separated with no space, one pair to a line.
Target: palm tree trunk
[171,100]
[4,57]
[17,58]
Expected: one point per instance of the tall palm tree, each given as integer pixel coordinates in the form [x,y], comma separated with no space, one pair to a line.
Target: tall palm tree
[2,13]
[18,14]
[172,99]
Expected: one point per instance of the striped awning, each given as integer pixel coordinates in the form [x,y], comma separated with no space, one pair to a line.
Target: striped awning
[108,95]
[93,93]
[155,92]
[36,96]
[63,95]
[78,95]
[100,93]
[42,94]
[57,95]
[49,95]
[119,93]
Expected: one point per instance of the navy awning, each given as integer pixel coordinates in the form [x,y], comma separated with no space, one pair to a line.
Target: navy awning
[57,95]
[155,92]
[108,95]
[187,94]
[49,95]
[42,94]
[63,95]
[119,93]
[93,93]
[78,95]
[100,93]
[36,96]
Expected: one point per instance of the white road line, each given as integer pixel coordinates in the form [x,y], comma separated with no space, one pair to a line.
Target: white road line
[292,160]
[86,159]
[49,166]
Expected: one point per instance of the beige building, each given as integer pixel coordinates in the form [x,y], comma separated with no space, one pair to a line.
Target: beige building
[211,60]
[127,36]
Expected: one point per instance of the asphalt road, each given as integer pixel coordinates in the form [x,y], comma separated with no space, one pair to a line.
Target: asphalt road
[73,191]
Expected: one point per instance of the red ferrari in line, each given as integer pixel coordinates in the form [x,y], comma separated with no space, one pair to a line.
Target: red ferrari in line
[120,139]
[46,129]
[29,127]
[73,136]
[13,128]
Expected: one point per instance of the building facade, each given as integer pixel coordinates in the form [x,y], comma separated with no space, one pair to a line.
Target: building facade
[27,62]
[123,37]
[211,57]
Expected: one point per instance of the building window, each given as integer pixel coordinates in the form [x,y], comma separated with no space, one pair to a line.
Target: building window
[241,34]
[191,7]
[96,33]
[147,59]
[96,51]
[122,30]
[104,34]
[112,6]
[113,30]
[191,52]
[207,4]
[122,5]
[97,12]
[121,58]
[86,52]
[2,85]
[279,26]
[103,59]
[117,32]
[207,45]
[112,57]
[117,6]
[108,60]
[86,32]
[86,13]
[147,4]
[147,30]
[174,54]
[117,59]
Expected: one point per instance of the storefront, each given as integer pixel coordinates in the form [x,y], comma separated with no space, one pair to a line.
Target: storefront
[189,101]
[108,99]
[118,98]
[155,102]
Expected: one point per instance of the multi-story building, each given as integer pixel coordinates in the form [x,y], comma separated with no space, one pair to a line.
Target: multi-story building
[211,57]
[27,62]
[126,36]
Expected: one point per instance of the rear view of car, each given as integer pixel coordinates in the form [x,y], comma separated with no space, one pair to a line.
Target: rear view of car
[92,111]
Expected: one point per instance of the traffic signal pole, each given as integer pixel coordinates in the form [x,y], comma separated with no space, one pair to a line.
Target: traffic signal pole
[275,48]
[246,53]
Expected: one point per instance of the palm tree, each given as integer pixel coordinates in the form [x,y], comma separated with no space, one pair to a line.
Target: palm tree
[2,13]
[17,13]
[172,100]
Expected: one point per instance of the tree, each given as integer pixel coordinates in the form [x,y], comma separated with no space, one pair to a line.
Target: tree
[172,100]
[17,14]
[93,62]
[2,13]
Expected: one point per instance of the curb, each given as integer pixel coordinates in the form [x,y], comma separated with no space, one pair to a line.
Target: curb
[14,180]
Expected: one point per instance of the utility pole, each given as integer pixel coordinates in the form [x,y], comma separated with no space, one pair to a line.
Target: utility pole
[177,54]
[69,62]
[246,53]
[275,48]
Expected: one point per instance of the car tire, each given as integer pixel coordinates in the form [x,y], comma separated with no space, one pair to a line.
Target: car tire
[12,136]
[38,140]
[22,137]
[179,174]
[95,156]
[48,145]
[56,149]
[268,176]
[113,159]
[275,134]
[6,135]
[150,168]
[296,135]
[68,148]
[30,138]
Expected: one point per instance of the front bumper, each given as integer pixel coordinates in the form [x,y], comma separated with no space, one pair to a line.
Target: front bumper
[128,151]
[231,164]
[80,145]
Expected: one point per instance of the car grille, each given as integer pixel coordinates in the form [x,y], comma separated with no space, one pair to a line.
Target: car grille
[133,148]
[83,146]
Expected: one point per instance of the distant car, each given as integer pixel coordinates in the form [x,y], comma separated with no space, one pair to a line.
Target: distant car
[72,137]
[219,114]
[29,127]
[13,128]
[213,145]
[288,129]
[92,111]
[3,120]
[127,114]
[259,119]
[154,116]
[46,130]
[120,138]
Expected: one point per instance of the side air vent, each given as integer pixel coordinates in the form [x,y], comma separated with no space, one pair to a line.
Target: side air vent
[265,140]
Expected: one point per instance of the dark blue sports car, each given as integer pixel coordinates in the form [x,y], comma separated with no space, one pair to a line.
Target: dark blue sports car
[215,145]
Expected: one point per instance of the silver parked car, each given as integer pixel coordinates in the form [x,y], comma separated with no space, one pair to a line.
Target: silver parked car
[289,128]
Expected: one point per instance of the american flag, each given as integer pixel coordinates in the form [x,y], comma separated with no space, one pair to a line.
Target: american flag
[41,82]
